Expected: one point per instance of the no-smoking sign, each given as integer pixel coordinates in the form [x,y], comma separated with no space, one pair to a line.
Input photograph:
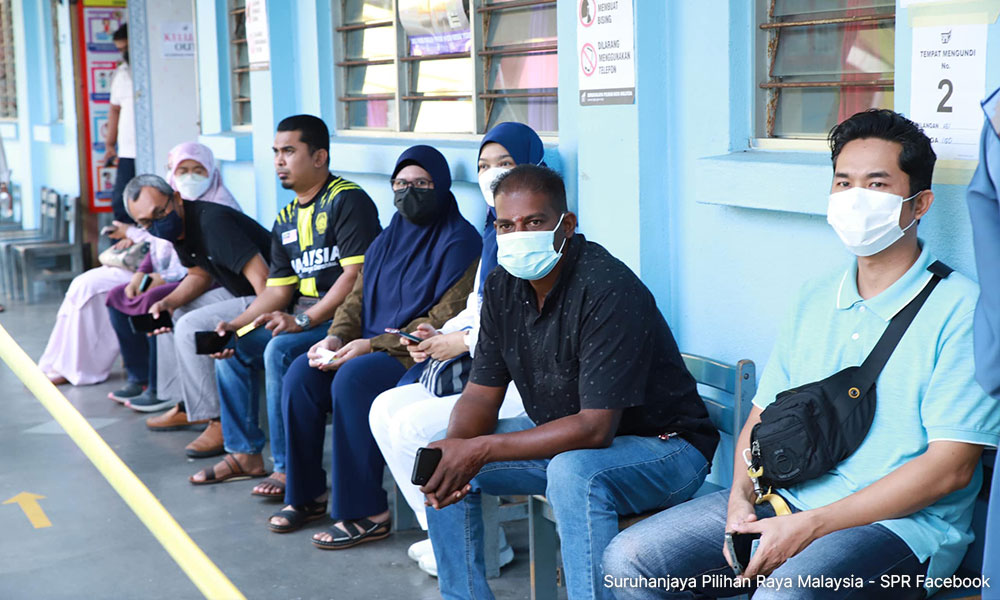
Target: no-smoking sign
[588,59]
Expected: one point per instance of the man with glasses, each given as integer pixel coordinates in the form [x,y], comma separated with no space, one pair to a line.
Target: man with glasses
[318,244]
[227,254]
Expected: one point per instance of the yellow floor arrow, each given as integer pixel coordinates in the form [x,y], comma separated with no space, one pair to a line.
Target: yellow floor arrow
[29,504]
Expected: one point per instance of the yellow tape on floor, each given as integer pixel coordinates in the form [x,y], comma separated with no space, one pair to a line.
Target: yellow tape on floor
[198,567]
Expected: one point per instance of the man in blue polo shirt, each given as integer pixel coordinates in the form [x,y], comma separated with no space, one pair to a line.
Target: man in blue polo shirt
[902,503]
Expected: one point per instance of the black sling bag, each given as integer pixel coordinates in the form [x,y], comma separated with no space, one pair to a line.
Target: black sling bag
[810,429]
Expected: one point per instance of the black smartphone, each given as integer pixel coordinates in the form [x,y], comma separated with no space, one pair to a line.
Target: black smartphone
[147,324]
[400,333]
[146,281]
[210,342]
[423,466]
[741,547]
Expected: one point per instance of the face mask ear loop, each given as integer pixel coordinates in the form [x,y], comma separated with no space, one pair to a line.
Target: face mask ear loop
[915,220]
[563,245]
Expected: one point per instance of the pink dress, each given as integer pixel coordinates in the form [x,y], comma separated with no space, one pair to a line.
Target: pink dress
[83,345]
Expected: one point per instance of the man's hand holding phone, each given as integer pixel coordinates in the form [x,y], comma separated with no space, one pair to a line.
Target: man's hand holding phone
[162,307]
[224,330]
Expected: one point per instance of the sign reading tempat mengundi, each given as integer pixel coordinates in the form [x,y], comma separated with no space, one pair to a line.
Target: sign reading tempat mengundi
[605,34]
[948,80]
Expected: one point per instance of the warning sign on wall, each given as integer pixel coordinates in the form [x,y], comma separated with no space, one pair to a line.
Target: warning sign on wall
[606,38]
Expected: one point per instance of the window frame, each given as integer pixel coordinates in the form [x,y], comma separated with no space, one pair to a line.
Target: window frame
[237,104]
[483,98]
[9,63]
[766,91]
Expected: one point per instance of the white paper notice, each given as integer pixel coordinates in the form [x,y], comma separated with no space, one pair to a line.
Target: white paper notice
[605,36]
[178,39]
[947,82]
[258,40]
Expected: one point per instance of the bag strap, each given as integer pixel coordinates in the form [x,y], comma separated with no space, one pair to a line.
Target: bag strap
[869,370]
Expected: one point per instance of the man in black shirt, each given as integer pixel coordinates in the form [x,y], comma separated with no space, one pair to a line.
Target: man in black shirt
[218,245]
[616,424]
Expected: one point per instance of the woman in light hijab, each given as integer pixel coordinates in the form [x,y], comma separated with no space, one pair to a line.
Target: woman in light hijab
[80,350]
[419,269]
[407,417]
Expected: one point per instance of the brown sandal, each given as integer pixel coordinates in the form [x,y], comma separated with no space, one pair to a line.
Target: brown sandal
[236,472]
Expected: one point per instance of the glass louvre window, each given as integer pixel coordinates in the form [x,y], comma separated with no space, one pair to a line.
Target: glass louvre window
[239,63]
[412,65]
[8,83]
[821,61]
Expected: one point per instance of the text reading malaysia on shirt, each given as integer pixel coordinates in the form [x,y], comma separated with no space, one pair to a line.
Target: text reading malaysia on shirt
[316,260]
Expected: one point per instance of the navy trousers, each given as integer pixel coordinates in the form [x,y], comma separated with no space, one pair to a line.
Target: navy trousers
[138,350]
[307,395]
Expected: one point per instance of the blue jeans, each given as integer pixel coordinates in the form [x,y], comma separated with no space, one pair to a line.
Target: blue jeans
[238,381]
[138,350]
[588,490]
[686,542]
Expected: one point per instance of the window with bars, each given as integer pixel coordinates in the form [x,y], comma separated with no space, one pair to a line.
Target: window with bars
[446,66]
[8,82]
[239,63]
[821,61]
[57,59]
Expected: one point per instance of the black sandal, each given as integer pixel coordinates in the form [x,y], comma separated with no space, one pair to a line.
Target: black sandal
[297,516]
[365,530]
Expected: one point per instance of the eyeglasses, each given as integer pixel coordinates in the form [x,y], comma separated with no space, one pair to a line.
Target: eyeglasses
[158,213]
[420,184]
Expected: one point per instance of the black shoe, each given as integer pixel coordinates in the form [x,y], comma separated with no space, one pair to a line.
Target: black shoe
[148,402]
[128,392]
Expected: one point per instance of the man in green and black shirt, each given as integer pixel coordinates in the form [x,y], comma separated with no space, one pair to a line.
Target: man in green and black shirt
[318,245]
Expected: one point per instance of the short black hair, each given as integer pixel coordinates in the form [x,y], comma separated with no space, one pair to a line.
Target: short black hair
[312,131]
[121,33]
[916,158]
[535,179]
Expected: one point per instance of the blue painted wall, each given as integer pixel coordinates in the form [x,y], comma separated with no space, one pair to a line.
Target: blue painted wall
[722,234]
[41,150]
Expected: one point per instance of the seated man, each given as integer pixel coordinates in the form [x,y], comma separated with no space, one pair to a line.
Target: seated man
[218,245]
[901,504]
[616,424]
[318,244]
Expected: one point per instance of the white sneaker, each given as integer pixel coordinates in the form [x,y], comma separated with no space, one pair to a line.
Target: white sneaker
[419,549]
[428,564]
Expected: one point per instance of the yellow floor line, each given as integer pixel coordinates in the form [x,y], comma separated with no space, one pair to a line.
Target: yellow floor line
[198,567]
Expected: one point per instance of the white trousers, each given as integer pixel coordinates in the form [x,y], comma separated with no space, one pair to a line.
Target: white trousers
[406,418]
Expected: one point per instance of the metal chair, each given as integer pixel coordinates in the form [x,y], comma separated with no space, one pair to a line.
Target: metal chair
[727,391]
[68,244]
[47,231]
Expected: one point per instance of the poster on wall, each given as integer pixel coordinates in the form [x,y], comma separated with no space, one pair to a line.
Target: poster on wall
[98,21]
[258,39]
[605,36]
[948,80]
[177,39]
[435,26]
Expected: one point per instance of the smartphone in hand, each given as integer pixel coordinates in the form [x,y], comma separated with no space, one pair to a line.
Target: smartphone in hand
[401,333]
[426,462]
[741,547]
[145,323]
[210,342]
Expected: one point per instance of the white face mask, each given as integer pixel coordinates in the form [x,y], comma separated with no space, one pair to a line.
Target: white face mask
[867,221]
[192,185]
[529,254]
[486,180]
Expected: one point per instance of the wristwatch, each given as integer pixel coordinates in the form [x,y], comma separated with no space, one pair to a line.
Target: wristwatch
[303,321]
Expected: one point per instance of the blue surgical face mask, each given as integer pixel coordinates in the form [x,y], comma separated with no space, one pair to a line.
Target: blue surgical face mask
[529,254]
[169,228]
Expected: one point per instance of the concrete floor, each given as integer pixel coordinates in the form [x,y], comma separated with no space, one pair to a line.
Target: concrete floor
[96,548]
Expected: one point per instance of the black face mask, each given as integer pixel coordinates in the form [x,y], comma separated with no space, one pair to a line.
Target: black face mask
[420,207]
[125,56]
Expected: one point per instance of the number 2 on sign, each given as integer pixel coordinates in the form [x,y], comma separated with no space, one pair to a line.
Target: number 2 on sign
[942,108]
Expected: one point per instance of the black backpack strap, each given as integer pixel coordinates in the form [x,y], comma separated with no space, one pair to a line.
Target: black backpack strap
[873,365]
